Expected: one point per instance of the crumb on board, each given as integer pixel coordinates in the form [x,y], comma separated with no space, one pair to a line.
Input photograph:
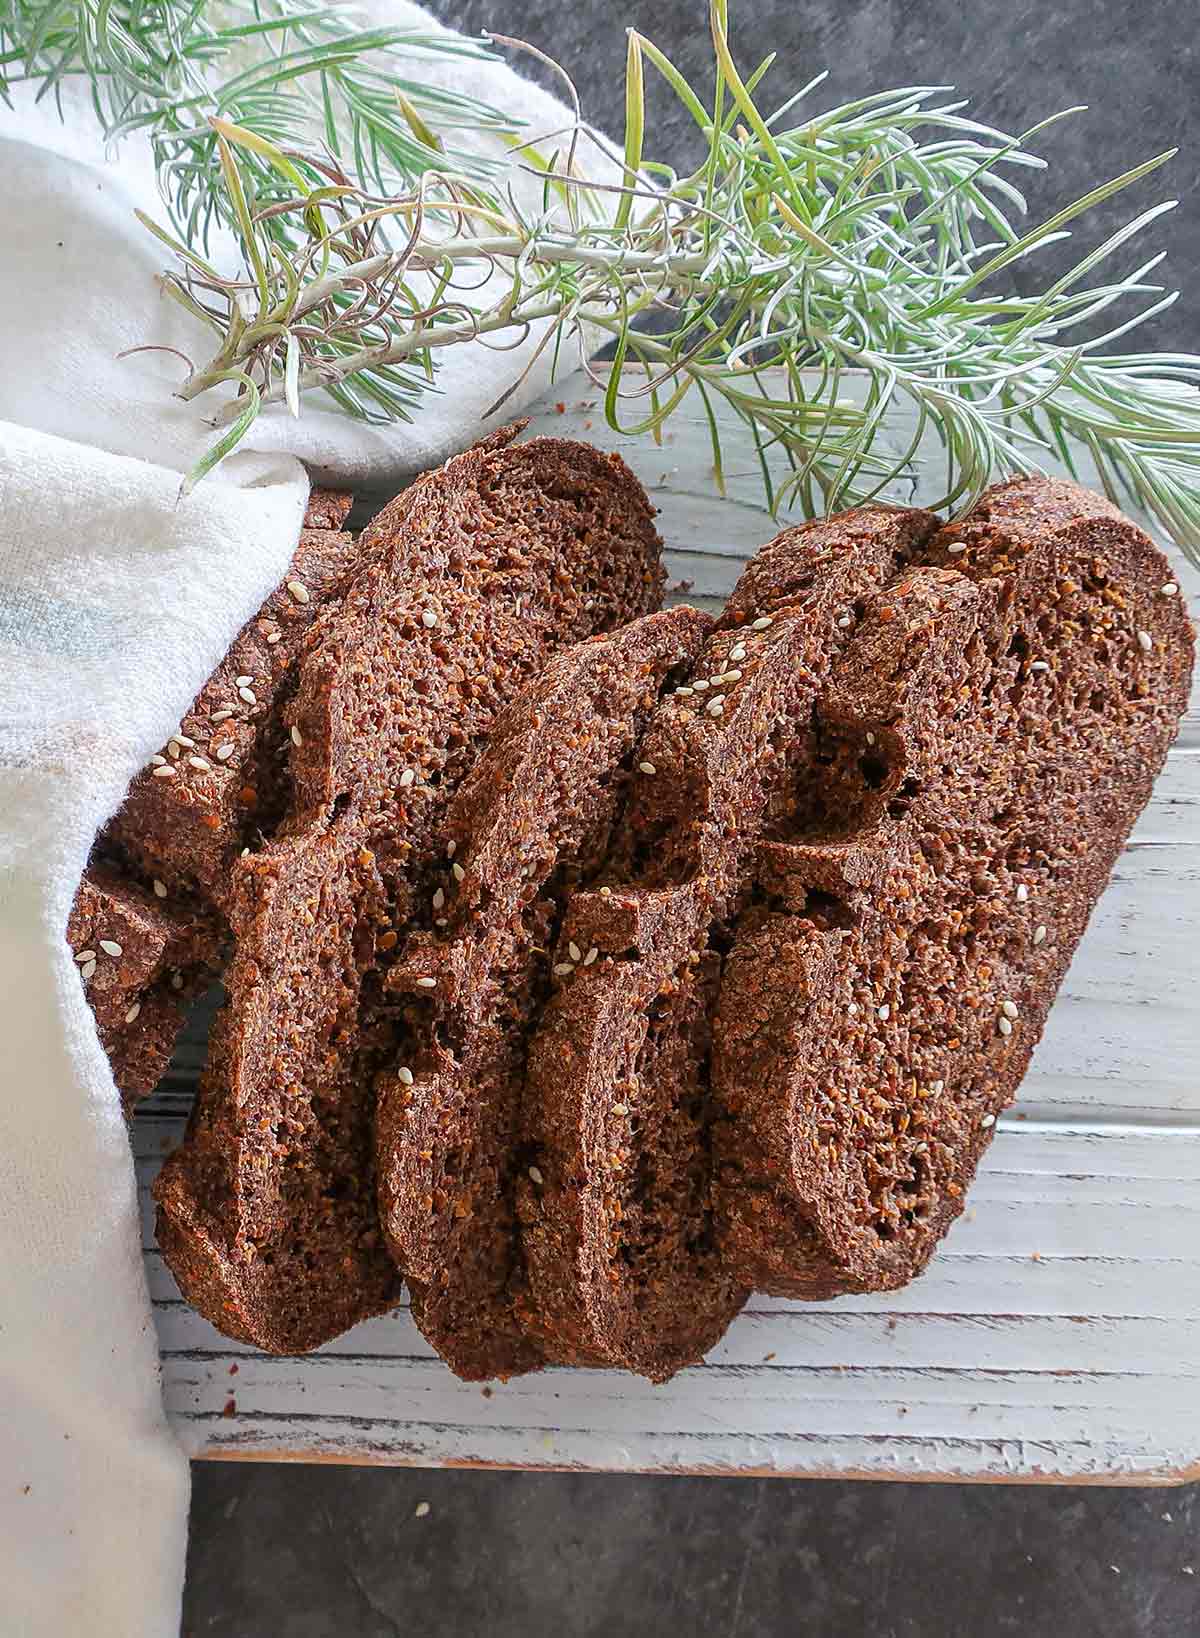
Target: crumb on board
[422,1510]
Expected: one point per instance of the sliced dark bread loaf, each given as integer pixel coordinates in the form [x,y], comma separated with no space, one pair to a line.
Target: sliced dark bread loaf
[982,751]
[471,579]
[531,819]
[622,1263]
[221,781]
[142,962]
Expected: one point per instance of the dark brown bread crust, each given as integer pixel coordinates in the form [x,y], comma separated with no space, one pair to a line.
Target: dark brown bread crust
[531,819]
[160,957]
[985,746]
[472,578]
[618,1238]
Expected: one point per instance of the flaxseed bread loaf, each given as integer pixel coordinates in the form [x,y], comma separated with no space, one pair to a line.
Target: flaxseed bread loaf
[619,1246]
[530,821]
[471,579]
[980,755]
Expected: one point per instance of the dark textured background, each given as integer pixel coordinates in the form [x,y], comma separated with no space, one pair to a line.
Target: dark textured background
[294,1552]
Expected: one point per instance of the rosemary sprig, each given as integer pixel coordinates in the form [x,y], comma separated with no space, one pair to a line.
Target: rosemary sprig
[289,72]
[865,239]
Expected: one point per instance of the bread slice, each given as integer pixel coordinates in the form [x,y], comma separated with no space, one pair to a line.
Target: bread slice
[622,1261]
[471,579]
[532,818]
[982,751]
[162,866]
[221,782]
[142,961]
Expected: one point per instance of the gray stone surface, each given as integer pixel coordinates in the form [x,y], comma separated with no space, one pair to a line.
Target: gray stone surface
[294,1552]
[310,1552]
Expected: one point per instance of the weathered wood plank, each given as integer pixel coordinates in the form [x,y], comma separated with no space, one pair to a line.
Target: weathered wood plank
[1053,1337]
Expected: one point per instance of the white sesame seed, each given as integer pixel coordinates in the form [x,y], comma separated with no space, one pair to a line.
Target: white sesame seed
[591,955]
[1145,641]
[573,950]
[248,694]
[1022,892]
[200,763]
[439,899]
[852,1008]
[884,1012]
[699,685]
[732,676]
[160,888]
[273,637]
[176,981]
[716,708]
[457,871]
[131,1015]
[297,736]
[224,752]
[245,853]
[407,778]
[606,892]
[562,968]
[988,1120]
[937,1086]
[620,1108]
[441,922]
[845,621]
[685,693]
[165,772]
[243,682]
[451,849]
[298,590]
[85,955]
[421,1510]
[647,768]
[1039,935]
[427,983]
[535,1176]
[761,624]
[157,761]
[174,748]
[1171,589]
[185,739]
[1010,1009]
[1004,1025]
[86,971]
[1040,665]
[956,548]
[429,619]
[111,947]
[220,716]
[404,1076]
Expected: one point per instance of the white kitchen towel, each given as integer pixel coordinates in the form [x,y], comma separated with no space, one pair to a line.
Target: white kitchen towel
[115,603]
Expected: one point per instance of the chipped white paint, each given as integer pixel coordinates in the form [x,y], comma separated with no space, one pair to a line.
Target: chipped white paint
[1055,1335]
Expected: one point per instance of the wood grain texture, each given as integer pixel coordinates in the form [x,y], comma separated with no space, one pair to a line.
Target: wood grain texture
[1055,1336]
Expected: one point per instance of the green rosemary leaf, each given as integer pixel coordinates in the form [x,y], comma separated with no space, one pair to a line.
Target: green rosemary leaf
[231,437]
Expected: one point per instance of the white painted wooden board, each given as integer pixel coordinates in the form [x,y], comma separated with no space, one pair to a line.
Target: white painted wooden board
[1056,1334]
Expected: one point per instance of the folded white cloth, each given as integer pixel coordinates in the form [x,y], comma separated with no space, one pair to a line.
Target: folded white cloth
[115,603]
